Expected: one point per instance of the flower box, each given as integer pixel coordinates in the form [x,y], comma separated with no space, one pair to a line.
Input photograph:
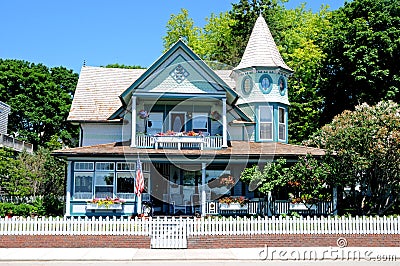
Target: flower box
[302,207]
[232,207]
[96,206]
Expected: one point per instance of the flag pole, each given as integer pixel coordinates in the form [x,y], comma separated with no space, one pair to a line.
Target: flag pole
[139,185]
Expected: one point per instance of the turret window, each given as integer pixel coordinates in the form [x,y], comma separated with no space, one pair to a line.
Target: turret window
[265,122]
[282,85]
[265,83]
[247,85]
[282,124]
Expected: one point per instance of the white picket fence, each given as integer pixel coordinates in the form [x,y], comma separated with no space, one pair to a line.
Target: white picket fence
[199,226]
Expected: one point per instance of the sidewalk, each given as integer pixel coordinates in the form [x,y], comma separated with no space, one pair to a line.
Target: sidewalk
[267,253]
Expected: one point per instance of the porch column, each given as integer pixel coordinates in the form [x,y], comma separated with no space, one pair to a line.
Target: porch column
[203,189]
[224,125]
[68,190]
[133,120]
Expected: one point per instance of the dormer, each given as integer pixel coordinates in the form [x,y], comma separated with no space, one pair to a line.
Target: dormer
[261,82]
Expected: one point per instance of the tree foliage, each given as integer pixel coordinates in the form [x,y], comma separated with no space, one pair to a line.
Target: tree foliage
[40,100]
[365,155]
[308,178]
[116,65]
[362,47]
[299,34]
[31,174]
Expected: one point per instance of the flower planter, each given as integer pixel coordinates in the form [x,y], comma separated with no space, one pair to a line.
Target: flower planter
[302,207]
[232,207]
[95,206]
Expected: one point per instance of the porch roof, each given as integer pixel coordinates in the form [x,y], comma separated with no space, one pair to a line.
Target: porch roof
[236,149]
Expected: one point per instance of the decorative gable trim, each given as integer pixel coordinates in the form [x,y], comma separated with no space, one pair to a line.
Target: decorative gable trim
[124,97]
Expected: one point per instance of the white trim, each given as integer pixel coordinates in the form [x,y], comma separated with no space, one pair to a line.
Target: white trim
[284,123]
[224,125]
[68,190]
[203,188]
[133,122]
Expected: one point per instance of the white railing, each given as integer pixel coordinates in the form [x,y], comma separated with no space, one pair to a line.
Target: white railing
[11,142]
[200,226]
[144,141]
[210,142]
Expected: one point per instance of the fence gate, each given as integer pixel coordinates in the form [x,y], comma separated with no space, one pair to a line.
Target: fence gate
[168,233]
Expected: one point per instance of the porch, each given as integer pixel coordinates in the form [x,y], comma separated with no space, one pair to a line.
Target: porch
[17,145]
[179,142]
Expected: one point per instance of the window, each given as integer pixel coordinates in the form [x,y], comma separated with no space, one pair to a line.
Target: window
[83,185]
[282,124]
[84,166]
[126,166]
[282,86]
[200,122]
[155,123]
[265,122]
[247,85]
[104,166]
[265,83]
[126,185]
[104,180]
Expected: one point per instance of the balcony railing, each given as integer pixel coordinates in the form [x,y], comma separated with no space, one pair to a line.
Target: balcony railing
[179,142]
[11,142]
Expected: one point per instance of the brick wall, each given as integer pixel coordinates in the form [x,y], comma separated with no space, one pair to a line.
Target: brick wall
[76,241]
[260,241]
[199,242]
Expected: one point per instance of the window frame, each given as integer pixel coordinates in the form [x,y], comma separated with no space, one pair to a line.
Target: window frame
[271,123]
[91,186]
[282,123]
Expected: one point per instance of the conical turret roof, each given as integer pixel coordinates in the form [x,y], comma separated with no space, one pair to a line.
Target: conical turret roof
[261,50]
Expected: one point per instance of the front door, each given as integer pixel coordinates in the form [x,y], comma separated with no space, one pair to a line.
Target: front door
[177,121]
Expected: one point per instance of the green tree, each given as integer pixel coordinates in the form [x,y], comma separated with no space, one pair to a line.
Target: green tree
[272,177]
[309,178]
[14,179]
[181,26]
[301,45]
[362,47]
[40,100]
[364,148]
[116,65]
[300,36]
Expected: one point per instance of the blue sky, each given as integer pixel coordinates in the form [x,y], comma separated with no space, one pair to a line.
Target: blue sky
[65,33]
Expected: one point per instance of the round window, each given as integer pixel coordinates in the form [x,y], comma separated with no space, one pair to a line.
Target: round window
[265,83]
[247,85]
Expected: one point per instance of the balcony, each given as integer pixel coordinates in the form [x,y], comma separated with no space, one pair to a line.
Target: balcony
[17,145]
[179,142]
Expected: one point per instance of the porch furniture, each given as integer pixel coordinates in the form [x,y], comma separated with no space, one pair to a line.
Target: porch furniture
[178,204]
[195,203]
[179,140]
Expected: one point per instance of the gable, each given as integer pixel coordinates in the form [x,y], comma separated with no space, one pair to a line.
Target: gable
[179,71]
[180,74]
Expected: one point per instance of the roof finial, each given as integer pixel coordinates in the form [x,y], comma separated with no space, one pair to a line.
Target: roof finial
[84,63]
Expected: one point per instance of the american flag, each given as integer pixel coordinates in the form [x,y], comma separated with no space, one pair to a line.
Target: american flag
[139,184]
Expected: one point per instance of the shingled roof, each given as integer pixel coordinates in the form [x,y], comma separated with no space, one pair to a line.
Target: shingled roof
[97,92]
[236,149]
[261,50]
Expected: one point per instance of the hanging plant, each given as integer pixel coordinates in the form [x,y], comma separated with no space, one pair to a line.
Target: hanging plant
[215,115]
[143,114]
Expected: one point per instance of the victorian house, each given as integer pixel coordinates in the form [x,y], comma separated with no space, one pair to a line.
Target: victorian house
[194,130]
